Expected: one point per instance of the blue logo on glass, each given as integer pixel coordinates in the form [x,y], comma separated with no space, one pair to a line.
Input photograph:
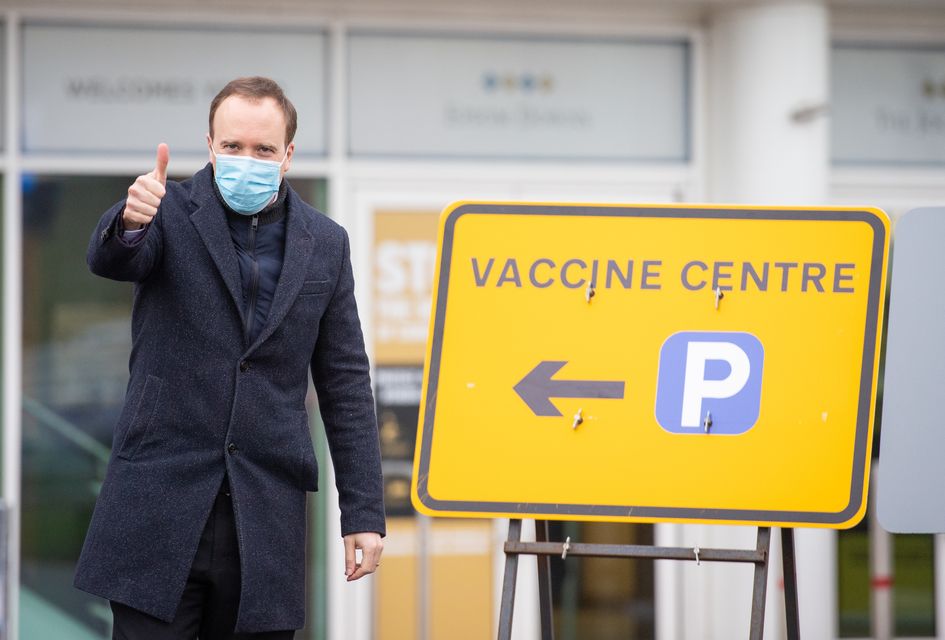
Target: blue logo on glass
[709,382]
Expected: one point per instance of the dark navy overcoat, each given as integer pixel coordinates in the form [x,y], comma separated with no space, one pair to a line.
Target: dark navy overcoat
[201,402]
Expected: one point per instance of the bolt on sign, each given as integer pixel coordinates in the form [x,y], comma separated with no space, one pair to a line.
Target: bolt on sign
[646,363]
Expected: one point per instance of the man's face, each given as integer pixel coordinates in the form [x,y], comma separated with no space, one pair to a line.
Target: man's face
[254,128]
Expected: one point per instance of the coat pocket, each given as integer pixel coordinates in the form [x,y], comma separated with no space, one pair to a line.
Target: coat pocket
[308,465]
[140,426]
[315,287]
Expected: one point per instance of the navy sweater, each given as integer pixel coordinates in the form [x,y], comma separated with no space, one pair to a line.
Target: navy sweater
[259,241]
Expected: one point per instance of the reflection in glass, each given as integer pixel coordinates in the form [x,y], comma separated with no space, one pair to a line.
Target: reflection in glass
[913,584]
[853,581]
[603,598]
[76,340]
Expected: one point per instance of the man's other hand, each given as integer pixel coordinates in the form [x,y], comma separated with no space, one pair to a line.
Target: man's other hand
[371,546]
[144,196]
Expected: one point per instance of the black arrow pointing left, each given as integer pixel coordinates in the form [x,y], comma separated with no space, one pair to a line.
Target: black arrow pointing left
[537,388]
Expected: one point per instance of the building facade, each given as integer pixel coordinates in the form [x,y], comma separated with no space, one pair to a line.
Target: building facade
[406,106]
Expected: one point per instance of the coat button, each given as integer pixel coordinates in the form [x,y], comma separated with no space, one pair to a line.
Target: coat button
[244,366]
[231,447]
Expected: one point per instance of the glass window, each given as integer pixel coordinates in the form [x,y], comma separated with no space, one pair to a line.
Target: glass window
[76,343]
[602,598]
[913,584]
[76,340]
[853,576]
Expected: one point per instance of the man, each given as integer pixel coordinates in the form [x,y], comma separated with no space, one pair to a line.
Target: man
[240,290]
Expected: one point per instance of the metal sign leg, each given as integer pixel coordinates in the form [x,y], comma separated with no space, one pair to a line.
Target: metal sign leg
[508,583]
[757,628]
[544,584]
[760,557]
[791,612]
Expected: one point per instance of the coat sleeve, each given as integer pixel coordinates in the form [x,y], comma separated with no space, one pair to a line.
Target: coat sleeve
[108,256]
[342,379]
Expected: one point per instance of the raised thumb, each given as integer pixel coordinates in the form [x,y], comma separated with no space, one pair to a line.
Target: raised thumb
[160,166]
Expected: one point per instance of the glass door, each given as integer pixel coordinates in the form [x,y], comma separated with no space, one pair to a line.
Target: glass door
[76,340]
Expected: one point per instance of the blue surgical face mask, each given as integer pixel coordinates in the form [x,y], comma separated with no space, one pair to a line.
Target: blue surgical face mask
[246,183]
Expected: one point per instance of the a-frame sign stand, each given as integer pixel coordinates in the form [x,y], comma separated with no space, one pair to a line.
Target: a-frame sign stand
[492,380]
[543,549]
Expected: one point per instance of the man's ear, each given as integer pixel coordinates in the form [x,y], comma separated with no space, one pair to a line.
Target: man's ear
[210,151]
[288,157]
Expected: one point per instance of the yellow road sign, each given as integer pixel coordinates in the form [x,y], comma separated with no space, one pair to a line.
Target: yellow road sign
[652,363]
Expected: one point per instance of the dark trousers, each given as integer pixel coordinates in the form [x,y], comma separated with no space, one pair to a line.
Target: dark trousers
[211,598]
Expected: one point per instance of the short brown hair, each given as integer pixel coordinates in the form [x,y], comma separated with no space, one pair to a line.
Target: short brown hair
[257,88]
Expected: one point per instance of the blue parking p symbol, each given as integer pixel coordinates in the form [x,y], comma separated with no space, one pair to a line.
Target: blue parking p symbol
[709,378]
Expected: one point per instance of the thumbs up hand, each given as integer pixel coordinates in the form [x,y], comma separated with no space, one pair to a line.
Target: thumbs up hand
[144,196]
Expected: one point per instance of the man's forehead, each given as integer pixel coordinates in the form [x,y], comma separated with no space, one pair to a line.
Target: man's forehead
[236,109]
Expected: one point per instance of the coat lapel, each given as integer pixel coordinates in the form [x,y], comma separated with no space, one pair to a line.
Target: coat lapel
[210,221]
[299,244]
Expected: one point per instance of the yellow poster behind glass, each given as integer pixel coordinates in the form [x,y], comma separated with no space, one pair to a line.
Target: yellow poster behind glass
[404,253]
[652,363]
